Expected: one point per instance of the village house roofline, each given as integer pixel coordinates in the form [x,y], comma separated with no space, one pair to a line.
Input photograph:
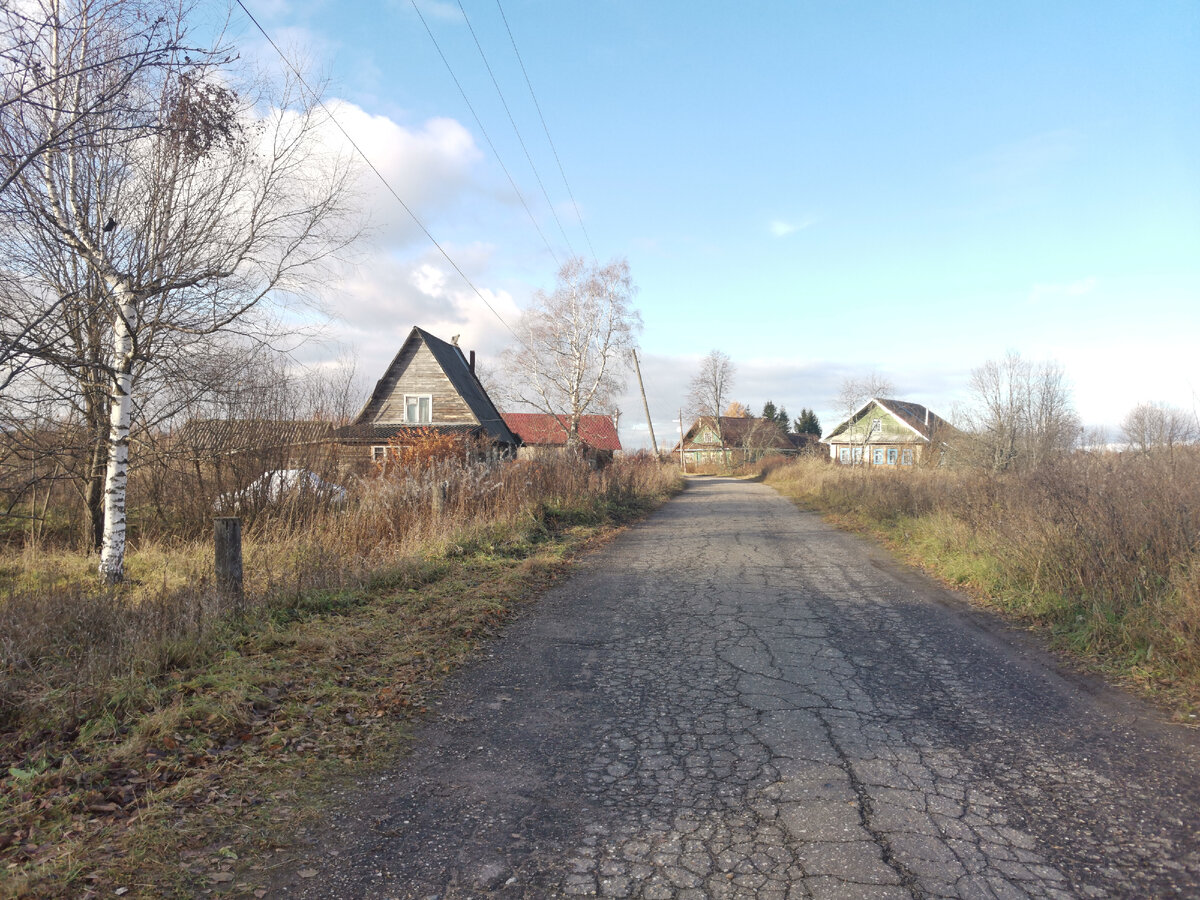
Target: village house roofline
[542,429]
[462,378]
[733,430]
[911,415]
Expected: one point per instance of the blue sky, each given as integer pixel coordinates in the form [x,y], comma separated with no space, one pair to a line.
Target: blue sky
[817,189]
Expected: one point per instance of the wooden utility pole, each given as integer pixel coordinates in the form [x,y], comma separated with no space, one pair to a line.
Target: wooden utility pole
[646,406]
[682,458]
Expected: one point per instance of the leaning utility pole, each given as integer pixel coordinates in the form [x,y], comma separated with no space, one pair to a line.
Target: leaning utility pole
[646,406]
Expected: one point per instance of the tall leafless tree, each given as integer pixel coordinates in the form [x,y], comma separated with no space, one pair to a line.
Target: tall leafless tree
[710,388]
[574,342]
[1021,415]
[216,202]
[1158,426]
[70,73]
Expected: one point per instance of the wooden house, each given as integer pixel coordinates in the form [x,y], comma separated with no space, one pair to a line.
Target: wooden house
[731,441]
[430,385]
[541,433]
[885,432]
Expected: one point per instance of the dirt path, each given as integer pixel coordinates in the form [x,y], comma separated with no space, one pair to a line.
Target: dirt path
[734,700]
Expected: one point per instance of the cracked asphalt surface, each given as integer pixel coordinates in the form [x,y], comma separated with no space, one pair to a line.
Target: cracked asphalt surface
[735,700]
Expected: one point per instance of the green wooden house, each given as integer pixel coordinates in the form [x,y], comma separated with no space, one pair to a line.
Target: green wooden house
[896,433]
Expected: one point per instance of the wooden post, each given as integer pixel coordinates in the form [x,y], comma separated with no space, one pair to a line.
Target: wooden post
[227,545]
[441,491]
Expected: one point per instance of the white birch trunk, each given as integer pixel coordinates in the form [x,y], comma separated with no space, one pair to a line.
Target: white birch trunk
[112,550]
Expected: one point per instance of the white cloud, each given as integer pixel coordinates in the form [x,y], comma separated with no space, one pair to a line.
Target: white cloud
[1041,293]
[782,228]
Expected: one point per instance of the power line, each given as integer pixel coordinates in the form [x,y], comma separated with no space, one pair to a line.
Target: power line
[378,174]
[546,128]
[486,136]
[516,130]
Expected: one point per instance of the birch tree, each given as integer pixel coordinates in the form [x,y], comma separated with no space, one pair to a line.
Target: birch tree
[44,44]
[216,202]
[574,343]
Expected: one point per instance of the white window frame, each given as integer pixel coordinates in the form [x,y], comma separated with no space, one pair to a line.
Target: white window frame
[378,452]
[418,398]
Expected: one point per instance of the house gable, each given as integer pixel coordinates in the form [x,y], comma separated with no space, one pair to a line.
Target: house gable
[886,421]
[430,382]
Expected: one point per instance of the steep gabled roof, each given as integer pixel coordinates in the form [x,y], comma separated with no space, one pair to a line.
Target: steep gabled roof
[456,368]
[922,421]
[543,429]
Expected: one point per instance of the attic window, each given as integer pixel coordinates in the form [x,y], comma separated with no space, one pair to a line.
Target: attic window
[876,425]
[418,409]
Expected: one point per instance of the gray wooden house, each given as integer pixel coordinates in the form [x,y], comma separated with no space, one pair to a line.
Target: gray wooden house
[430,385]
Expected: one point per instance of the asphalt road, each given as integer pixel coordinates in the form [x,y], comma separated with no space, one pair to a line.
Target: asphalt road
[735,700]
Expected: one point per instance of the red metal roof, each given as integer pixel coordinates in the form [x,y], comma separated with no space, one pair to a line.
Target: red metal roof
[541,429]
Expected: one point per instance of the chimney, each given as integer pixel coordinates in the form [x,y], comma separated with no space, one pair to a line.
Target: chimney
[471,362]
[926,415]
[616,417]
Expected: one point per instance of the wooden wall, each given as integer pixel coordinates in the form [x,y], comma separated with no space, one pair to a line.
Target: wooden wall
[417,372]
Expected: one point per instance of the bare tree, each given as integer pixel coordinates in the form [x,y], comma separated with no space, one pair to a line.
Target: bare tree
[710,388]
[1022,414]
[574,342]
[215,203]
[1154,426]
[711,385]
[856,391]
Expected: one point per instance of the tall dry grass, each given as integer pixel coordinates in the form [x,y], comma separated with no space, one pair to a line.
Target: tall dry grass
[63,640]
[1105,547]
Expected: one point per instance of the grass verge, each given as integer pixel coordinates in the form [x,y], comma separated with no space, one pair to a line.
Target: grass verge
[187,781]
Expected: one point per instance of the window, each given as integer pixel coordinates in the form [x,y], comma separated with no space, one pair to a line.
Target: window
[906,458]
[378,453]
[857,454]
[877,456]
[876,425]
[418,409]
[844,455]
[892,454]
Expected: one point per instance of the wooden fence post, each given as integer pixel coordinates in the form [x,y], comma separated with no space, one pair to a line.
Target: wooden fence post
[441,492]
[227,545]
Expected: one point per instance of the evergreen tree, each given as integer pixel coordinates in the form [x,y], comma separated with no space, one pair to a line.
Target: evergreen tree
[769,411]
[782,420]
[808,423]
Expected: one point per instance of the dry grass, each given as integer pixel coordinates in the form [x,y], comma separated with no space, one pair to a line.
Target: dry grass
[1103,549]
[140,722]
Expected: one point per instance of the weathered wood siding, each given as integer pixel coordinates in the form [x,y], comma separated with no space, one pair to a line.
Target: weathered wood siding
[416,371]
